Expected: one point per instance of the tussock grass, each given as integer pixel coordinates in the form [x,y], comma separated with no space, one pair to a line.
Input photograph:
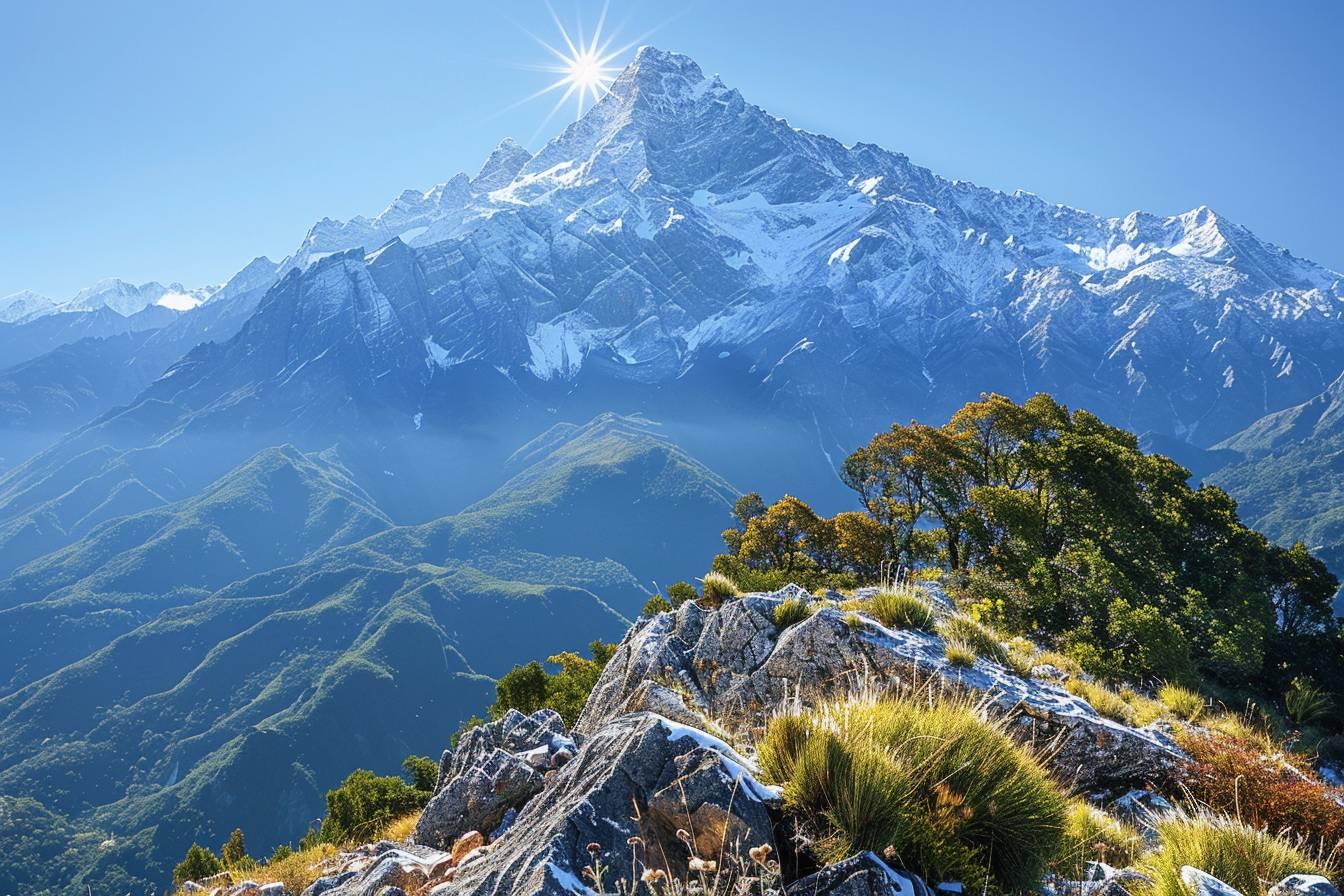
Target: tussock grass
[1306,702]
[794,610]
[1246,859]
[900,609]
[1061,661]
[1104,700]
[984,640]
[715,588]
[1091,835]
[935,781]
[400,828]
[1183,702]
[959,653]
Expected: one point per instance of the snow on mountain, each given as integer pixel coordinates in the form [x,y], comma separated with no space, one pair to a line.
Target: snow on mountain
[676,230]
[127,299]
[24,305]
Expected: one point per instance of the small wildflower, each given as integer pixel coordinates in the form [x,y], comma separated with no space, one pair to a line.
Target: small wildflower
[708,866]
[761,854]
[634,841]
[594,848]
[683,835]
[653,875]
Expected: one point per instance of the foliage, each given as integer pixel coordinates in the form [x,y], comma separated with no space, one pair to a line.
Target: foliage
[1091,835]
[1306,703]
[655,605]
[530,687]
[1239,777]
[234,852]
[793,610]
[1073,535]
[1245,858]
[680,592]
[365,802]
[948,792]
[1183,702]
[424,771]
[899,609]
[199,863]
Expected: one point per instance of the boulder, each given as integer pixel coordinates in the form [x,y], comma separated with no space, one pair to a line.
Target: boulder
[1201,884]
[860,875]
[735,665]
[465,844]
[513,733]
[1304,885]
[634,786]
[329,883]
[477,799]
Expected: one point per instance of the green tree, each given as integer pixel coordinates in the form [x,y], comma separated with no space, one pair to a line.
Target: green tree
[366,802]
[199,864]
[234,851]
[681,592]
[424,772]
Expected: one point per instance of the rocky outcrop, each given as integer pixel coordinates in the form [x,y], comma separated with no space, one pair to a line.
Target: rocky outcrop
[644,794]
[497,767]
[734,664]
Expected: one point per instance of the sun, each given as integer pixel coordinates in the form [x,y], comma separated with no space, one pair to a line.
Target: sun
[584,65]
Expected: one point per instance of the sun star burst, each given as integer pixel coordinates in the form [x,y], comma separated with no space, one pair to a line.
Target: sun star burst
[584,65]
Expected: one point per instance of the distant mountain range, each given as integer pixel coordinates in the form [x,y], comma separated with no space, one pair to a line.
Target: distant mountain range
[523,395]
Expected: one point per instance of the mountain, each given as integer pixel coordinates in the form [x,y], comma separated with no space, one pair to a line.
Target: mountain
[24,305]
[276,509]
[316,621]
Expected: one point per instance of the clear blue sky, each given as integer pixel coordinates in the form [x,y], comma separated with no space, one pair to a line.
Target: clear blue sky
[176,141]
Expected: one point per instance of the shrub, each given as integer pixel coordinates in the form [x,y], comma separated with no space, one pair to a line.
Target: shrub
[717,588]
[530,688]
[1090,835]
[680,592]
[948,791]
[793,611]
[655,605]
[1244,858]
[199,863]
[896,609]
[234,853]
[1104,700]
[1183,702]
[959,653]
[1232,776]
[424,772]
[1306,703]
[365,802]
[979,637]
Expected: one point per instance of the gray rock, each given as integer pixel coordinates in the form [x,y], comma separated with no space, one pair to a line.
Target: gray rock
[860,875]
[737,666]
[1202,884]
[514,733]
[477,798]
[639,776]
[273,889]
[329,883]
[1304,885]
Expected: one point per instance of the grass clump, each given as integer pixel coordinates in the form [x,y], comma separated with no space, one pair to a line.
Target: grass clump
[715,588]
[897,609]
[1091,835]
[948,792]
[1245,858]
[1183,702]
[1105,701]
[794,610]
[975,635]
[959,653]
[1306,703]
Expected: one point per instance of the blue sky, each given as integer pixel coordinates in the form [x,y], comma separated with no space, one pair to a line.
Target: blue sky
[177,141]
